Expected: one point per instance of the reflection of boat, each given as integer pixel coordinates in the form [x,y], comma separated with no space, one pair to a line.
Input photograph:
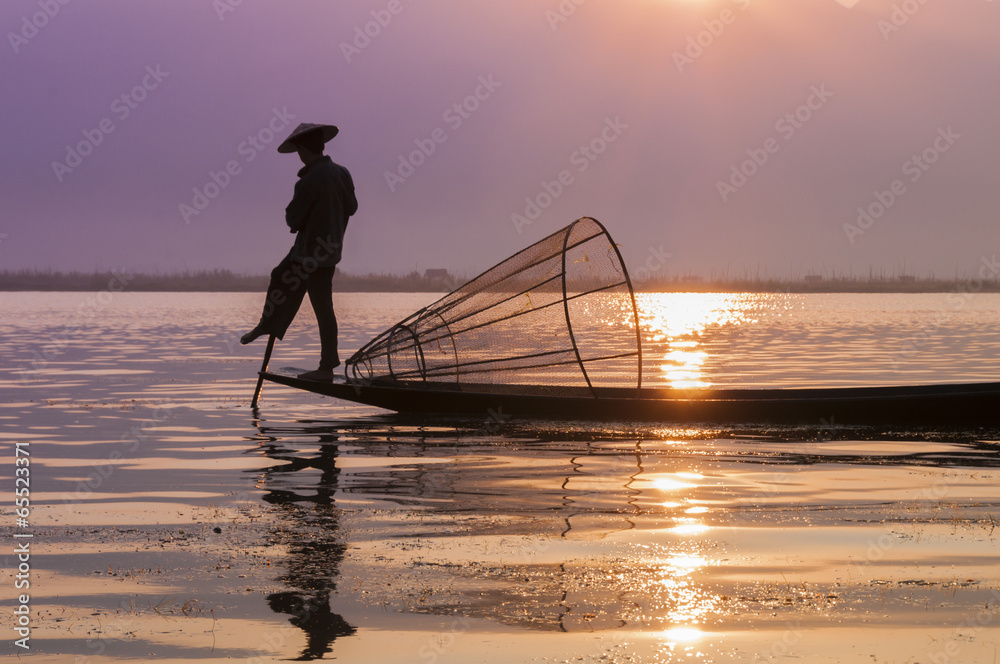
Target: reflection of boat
[431,523]
[554,332]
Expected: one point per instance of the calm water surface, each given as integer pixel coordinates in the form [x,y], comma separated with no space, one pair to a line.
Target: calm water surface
[171,523]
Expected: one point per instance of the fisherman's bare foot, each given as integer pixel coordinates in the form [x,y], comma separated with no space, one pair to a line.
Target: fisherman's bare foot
[320,375]
[252,335]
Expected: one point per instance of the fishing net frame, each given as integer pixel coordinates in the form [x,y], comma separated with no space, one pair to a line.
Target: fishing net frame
[475,337]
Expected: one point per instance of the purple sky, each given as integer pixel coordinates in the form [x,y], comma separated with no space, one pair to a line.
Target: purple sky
[681,117]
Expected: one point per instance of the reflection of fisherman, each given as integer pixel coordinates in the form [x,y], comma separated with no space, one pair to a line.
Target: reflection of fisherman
[314,542]
[318,214]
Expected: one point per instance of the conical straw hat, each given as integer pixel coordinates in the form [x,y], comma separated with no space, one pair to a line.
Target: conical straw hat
[326,132]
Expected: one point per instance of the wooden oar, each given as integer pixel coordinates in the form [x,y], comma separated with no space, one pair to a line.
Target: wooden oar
[263,368]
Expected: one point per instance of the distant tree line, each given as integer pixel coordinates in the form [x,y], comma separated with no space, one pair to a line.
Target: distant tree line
[432,281]
[212,281]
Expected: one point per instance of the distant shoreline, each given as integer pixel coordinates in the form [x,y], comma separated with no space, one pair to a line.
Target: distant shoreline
[226,281]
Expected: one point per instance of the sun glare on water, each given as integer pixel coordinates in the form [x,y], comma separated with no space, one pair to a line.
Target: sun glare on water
[683,634]
[676,324]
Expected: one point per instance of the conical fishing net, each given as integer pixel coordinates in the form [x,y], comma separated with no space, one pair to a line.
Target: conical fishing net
[556,318]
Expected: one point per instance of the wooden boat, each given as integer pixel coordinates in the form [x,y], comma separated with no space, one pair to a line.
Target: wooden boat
[553,332]
[975,404]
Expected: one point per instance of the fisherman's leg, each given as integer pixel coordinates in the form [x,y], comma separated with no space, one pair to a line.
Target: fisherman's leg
[285,291]
[321,298]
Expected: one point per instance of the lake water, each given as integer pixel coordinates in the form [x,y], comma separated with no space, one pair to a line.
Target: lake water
[170,523]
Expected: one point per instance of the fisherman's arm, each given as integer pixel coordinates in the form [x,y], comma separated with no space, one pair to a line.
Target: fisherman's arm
[351,201]
[298,210]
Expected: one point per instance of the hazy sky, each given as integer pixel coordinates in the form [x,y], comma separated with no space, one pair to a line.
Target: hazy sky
[729,135]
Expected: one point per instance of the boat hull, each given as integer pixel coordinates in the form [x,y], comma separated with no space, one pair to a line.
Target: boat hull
[975,404]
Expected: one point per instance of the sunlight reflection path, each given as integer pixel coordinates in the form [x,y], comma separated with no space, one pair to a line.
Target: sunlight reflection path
[684,603]
[677,326]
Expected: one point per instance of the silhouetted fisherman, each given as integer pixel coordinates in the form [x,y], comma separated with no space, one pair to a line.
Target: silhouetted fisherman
[318,214]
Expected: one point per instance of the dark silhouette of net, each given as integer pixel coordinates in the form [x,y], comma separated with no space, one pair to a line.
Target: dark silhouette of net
[558,317]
